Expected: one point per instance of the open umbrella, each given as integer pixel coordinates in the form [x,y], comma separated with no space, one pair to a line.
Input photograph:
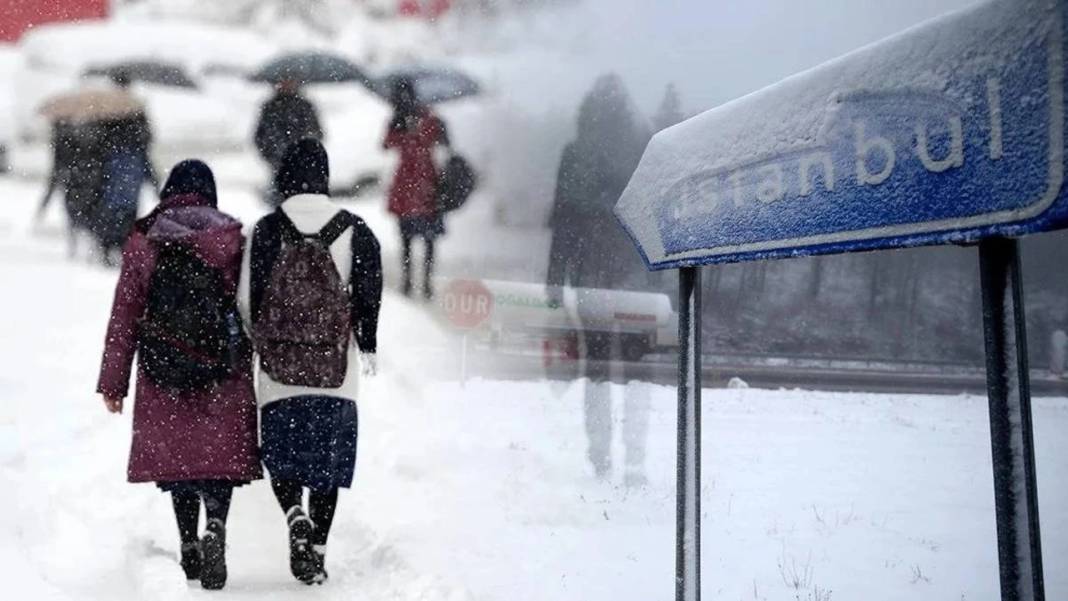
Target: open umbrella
[88,105]
[310,67]
[431,85]
[148,71]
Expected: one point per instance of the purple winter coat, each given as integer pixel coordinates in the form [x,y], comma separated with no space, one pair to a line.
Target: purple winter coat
[187,435]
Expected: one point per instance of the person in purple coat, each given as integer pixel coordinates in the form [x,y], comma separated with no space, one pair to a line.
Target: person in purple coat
[199,443]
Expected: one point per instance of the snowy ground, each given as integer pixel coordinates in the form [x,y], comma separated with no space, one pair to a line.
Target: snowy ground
[482,492]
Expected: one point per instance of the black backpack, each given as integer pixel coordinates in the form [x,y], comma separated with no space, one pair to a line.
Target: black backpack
[190,336]
[455,184]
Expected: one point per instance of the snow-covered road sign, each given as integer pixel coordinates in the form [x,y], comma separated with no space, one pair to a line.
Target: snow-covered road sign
[947,133]
[951,132]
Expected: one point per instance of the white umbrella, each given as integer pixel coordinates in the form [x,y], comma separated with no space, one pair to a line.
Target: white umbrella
[91,105]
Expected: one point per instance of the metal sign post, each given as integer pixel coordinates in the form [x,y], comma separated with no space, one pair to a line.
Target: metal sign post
[1012,441]
[950,133]
[688,492]
[463,360]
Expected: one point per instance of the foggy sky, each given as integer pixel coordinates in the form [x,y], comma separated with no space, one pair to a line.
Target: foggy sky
[717,50]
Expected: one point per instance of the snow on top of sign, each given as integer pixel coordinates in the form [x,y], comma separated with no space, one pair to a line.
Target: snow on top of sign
[792,114]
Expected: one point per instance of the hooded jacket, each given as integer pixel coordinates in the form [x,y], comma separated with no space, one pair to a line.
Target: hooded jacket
[180,435]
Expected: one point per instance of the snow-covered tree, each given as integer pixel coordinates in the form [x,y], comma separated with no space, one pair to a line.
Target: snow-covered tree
[670,111]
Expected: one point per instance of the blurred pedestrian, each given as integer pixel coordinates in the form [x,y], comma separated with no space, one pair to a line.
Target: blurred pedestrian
[414,131]
[126,168]
[312,291]
[285,118]
[61,144]
[194,421]
[590,250]
[77,173]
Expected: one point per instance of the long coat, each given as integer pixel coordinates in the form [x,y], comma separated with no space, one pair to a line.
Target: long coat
[125,168]
[204,434]
[586,190]
[284,119]
[413,193]
[83,180]
[594,171]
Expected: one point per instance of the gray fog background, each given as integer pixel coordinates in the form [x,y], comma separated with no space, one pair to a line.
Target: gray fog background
[920,304]
[717,50]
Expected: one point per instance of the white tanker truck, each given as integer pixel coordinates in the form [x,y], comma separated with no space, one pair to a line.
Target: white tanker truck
[522,314]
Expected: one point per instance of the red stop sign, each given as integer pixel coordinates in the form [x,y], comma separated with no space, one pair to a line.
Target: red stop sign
[467,303]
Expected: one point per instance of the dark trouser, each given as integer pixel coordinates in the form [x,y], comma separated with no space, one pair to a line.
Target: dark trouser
[321,505]
[186,500]
[428,264]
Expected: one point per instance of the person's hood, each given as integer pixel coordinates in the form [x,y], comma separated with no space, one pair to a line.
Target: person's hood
[190,177]
[173,201]
[213,235]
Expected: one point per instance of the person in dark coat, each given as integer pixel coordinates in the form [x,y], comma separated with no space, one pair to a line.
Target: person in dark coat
[127,166]
[78,174]
[309,433]
[196,444]
[414,131]
[285,118]
[62,145]
[590,250]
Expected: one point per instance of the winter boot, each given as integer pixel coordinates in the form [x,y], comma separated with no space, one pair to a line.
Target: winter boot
[320,563]
[213,571]
[301,556]
[191,560]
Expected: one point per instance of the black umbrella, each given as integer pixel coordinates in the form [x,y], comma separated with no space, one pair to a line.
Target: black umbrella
[431,85]
[313,67]
[155,72]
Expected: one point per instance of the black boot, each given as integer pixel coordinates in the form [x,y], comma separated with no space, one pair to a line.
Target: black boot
[301,556]
[213,545]
[191,560]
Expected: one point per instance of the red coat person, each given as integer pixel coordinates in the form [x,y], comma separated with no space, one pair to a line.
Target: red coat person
[413,193]
[430,8]
[189,435]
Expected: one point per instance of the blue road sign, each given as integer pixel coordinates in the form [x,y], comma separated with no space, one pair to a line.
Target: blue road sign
[950,132]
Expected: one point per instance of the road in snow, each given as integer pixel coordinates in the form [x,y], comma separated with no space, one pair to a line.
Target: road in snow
[482,492]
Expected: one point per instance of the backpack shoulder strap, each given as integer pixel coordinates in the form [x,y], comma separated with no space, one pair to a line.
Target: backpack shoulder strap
[286,228]
[337,225]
